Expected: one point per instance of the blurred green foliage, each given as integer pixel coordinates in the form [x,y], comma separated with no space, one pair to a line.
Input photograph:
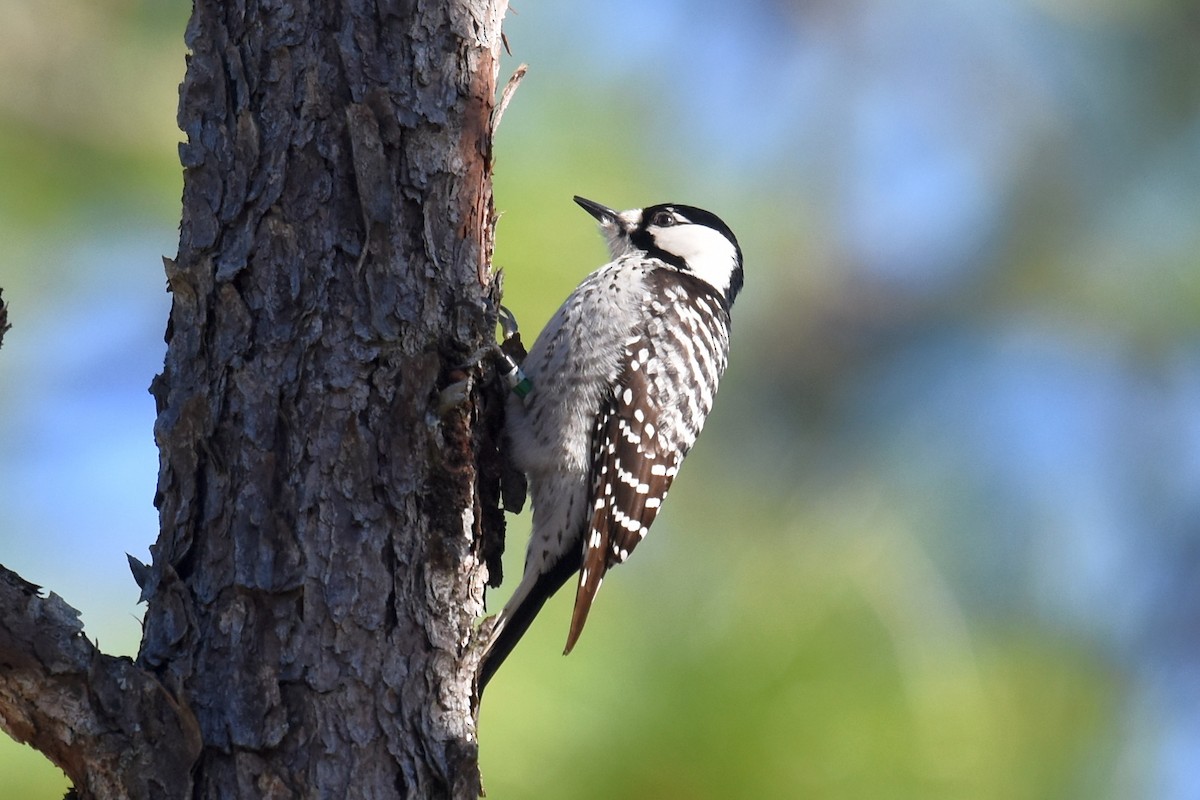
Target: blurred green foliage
[813,663]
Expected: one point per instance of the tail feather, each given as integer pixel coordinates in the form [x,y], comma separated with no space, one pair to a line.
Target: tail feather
[518,615]
[595,565]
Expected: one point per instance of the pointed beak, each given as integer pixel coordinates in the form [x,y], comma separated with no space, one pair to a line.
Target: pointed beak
[603,214]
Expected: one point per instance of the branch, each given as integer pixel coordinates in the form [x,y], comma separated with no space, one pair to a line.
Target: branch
[4,326]
[109,725]
[509,90]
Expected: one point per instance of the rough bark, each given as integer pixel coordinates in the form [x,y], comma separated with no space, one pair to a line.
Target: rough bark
[314,587]
[83,708]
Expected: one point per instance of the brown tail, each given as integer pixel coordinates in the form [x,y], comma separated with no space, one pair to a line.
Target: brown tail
[591,576]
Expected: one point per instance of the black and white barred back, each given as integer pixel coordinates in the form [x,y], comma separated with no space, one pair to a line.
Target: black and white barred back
[623,378]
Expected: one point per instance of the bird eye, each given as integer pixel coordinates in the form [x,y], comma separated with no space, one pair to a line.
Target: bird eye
[663,219]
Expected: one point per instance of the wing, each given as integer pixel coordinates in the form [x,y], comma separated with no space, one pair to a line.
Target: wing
[633,468]
[666,382]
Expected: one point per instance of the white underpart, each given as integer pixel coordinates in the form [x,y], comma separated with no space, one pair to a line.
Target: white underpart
[572,365]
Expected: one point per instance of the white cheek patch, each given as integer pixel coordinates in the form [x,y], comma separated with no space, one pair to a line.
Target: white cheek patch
[709,255]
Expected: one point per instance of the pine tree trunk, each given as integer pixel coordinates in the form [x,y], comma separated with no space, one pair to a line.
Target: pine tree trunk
[313,591]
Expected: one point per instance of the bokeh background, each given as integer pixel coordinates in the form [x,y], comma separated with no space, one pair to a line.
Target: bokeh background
[941,537]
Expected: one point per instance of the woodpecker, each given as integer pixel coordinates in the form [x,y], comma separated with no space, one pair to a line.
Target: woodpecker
[623,376]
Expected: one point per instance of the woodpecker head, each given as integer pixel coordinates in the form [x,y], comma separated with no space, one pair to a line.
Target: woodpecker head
[687,238]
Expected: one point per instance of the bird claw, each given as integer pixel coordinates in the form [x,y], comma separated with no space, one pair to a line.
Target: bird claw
[508,324]
[506,357]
